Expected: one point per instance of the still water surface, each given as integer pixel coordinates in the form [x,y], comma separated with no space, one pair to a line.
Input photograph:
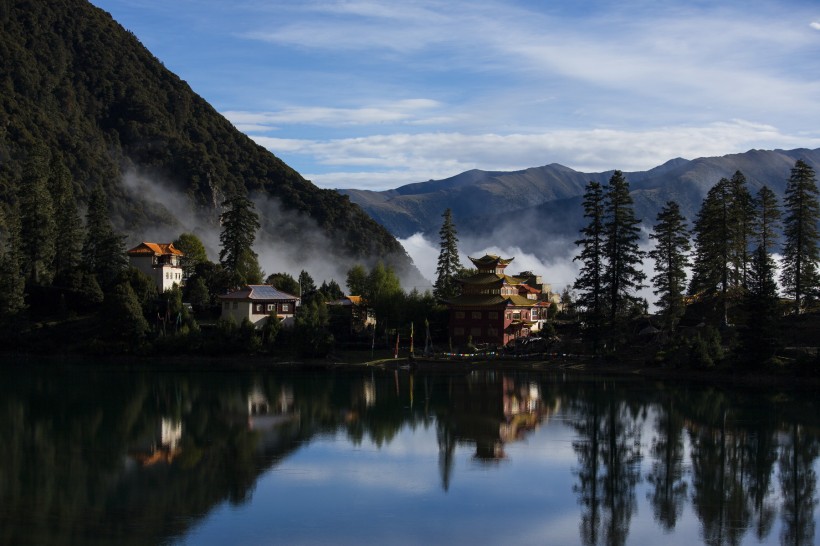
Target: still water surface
[389,457]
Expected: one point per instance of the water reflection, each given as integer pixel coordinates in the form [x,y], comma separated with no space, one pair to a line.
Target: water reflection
[142,457]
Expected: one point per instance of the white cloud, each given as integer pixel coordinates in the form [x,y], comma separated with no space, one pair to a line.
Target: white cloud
[398,111]
[815,25]
[389,160]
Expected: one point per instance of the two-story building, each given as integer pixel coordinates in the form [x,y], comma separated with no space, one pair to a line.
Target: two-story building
[494,308]
[256,302]
[160,261]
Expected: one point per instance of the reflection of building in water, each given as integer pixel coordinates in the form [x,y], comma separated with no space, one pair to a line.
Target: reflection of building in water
[524,409]
[492,411]
[369,389]
[262,415]
[275,424]
[162,446]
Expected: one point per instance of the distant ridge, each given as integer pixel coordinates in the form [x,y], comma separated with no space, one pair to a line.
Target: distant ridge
[485,202]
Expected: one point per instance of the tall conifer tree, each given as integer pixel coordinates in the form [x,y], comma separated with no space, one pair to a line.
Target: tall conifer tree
[711,268]
[741,215]
[622,274]
[68,238]
[767,219]
[590,281]
[103,250]
[449,265]
[37,219]
[800,252]
[240,222]
[12,282]
[671,258]
[761,337]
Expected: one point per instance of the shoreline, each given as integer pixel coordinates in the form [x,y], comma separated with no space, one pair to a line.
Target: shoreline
[581,366]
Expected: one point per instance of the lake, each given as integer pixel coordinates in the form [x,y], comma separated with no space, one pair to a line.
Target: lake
[91,455]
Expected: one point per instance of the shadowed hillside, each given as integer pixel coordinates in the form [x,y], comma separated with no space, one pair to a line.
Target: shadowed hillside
[77,84]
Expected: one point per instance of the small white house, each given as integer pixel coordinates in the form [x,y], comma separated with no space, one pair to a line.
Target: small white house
[256,302]
[160,261]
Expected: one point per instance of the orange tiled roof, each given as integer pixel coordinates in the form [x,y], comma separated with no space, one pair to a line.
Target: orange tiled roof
[155,249]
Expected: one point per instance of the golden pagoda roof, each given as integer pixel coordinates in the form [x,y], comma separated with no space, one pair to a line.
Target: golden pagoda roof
[490,259]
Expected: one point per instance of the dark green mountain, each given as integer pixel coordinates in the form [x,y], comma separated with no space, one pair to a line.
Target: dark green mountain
[73,80]
[523,207]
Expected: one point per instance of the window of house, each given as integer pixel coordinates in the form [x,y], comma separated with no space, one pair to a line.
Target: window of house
[286,308]
[492,332]
[492,315]
[235,304]
[475,332]
[516,315]
[271,307]
[476,314]
[458,331]
[459,314]
[259,308]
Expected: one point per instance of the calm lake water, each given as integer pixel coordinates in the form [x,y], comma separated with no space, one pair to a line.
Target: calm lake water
[384,457]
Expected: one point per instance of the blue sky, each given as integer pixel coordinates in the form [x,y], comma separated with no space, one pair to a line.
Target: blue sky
[375,94]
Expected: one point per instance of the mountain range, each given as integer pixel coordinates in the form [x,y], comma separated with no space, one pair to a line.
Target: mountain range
[76,83]
[522,208]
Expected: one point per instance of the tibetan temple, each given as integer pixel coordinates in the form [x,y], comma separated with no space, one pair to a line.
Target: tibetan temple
[495,308]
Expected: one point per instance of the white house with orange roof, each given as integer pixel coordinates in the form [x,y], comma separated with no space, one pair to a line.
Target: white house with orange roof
[160,261]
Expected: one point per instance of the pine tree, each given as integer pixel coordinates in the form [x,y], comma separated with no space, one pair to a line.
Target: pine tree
[122,316]
[589,283]
[240,222]
[68,237]
[711,268]
[307,287]
[37,219]
[622,273]
[671,259]
[767,219]
[742,215]
[761,337]
[800,252]
[12,282]
[103,250]
[446,286]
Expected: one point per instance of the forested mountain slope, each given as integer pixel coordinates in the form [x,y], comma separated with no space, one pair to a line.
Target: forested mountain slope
[74,81]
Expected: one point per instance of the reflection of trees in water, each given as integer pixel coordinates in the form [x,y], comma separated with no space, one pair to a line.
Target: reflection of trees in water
[64,448]
[733,451]
[668,494]
[80,454]
[608,449]
[798,482]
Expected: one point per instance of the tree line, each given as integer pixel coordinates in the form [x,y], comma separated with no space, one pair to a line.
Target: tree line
[729,250]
